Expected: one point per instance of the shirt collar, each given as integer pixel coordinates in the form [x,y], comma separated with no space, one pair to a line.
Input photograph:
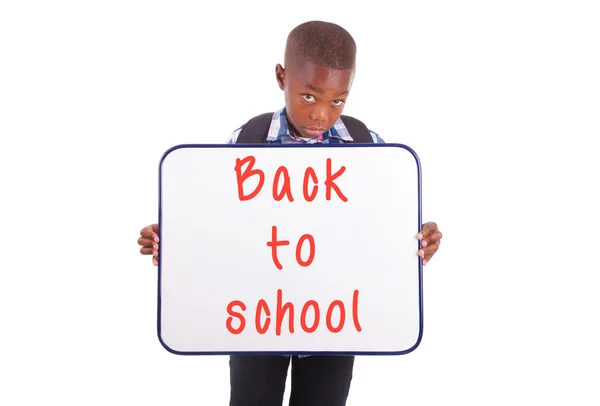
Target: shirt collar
[279,129]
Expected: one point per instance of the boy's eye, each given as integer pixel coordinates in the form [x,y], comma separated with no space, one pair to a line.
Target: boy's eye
[338,102]
[308,97]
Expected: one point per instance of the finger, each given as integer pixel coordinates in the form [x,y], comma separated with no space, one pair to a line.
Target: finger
[150,232]
[155,261]
[432,238]
[427,229]
[148,251]
[428,252]
[146,242]
[149,235]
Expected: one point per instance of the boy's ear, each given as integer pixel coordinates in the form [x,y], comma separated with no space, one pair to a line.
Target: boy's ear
[280,76]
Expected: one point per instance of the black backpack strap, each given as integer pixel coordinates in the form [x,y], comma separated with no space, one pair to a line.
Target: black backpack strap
[255,131]
[358,130]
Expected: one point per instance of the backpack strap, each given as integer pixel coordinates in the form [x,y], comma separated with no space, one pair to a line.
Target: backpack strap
[358,130]
[255,131]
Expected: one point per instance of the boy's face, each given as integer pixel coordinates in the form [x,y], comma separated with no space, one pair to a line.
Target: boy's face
[314,96]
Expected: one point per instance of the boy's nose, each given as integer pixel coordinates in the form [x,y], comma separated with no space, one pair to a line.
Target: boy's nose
[320,115]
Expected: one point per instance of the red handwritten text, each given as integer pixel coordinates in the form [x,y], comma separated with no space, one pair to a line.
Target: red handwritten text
[274,243]
[288,310]
[285,190]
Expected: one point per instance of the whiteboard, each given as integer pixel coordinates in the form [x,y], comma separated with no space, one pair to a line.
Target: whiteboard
[343,276]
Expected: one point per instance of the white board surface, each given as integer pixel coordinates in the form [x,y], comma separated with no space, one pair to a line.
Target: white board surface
[350,257]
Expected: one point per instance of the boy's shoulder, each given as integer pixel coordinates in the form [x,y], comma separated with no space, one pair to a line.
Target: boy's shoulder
[266,121]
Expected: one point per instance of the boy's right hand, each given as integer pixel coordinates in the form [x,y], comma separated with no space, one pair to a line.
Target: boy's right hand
[149,242]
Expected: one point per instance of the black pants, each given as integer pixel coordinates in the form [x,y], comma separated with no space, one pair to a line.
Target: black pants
[316,380]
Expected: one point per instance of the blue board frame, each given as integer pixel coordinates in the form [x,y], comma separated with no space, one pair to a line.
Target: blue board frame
[420,265]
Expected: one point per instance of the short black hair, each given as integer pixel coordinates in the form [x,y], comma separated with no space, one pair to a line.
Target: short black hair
[322,43]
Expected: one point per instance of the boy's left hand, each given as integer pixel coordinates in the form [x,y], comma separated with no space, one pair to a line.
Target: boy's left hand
[430,238]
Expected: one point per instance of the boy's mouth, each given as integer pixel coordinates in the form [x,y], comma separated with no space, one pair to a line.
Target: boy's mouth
[314,131]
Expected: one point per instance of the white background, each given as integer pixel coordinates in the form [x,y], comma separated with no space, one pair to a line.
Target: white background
[500,99]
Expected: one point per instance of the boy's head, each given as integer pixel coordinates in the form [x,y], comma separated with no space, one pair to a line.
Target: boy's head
[319,68]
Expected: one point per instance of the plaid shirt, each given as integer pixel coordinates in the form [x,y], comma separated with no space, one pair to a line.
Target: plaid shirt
[281,133]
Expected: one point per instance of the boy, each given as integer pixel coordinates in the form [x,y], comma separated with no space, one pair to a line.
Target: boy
[319,70]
